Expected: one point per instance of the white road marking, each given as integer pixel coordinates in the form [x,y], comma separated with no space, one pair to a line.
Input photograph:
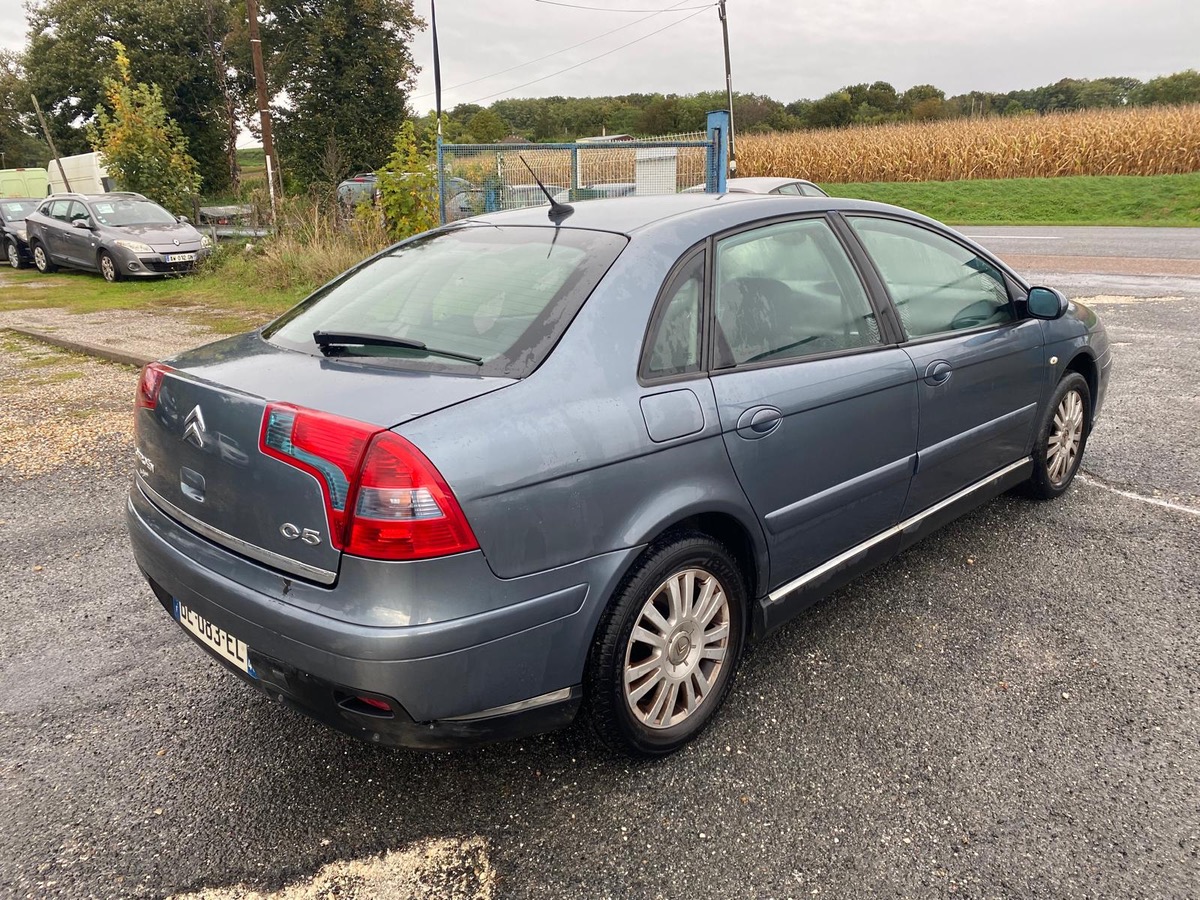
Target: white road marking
[1153,501]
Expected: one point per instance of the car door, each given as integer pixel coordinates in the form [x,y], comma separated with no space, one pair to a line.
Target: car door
[818,409]
[57,222]
[979,365]
[78,243]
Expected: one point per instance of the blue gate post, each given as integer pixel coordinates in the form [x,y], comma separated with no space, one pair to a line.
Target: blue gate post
[441,177]
[718,151]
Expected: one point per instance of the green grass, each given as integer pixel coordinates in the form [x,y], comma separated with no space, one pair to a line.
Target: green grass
[1086,200]
[212,298]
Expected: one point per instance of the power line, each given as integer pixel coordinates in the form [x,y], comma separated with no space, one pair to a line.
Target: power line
[558,52]
[594,58]
[613,9]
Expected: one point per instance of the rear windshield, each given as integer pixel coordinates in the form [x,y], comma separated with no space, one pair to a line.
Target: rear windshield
[130,212]
[503,294]
[17,210]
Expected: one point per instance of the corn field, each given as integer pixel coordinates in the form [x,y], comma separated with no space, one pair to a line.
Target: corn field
[1138,141]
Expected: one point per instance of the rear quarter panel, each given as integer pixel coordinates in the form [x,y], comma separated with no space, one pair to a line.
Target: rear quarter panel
[560,467]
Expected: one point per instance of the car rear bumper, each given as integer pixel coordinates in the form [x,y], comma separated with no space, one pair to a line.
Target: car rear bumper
[498,674]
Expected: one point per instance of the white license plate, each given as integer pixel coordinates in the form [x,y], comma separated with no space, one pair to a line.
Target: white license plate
[218,640]
[181,257]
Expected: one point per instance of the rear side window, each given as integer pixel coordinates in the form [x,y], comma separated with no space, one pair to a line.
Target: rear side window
[503,294]
[787,291]
[59,209]
[674,344]
[937,284]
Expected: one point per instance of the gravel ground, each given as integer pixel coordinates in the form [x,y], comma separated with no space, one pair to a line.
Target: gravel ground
[153,334]
[1010,709]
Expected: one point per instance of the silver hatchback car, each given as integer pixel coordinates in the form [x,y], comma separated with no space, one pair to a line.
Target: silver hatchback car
[120,235]
[529,462]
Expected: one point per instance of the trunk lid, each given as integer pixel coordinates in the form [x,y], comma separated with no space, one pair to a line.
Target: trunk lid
[198,453]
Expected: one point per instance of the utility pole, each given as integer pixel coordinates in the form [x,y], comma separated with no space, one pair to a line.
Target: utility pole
[49,140]
[264,112]
[728,84]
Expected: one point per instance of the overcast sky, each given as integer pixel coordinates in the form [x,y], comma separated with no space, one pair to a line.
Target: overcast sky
[785,48]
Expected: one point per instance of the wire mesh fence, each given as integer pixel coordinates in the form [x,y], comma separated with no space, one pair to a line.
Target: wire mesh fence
[478,178]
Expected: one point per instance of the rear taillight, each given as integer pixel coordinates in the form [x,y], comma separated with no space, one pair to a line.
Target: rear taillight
[384,499]
[404,510]
[150,384]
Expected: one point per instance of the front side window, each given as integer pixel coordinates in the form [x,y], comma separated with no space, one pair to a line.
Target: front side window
[788,290]
[78,212]
[937,284]
[503,295]
[675,340]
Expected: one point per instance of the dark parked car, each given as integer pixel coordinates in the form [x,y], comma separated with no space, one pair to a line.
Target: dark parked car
[119,235]
[514,466]
[12,230]
[792,187]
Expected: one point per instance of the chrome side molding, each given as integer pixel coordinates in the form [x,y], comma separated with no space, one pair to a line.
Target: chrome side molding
[842,558]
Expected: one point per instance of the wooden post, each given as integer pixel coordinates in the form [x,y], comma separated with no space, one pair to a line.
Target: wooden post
[49,140]
[264,111]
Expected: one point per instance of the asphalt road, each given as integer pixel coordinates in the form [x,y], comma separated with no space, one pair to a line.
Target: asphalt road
[1010,709]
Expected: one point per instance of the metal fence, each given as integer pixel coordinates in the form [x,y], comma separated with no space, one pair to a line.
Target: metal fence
[479,178]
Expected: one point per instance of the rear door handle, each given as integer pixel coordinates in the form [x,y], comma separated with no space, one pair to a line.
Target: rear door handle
[758,421]
[938,372]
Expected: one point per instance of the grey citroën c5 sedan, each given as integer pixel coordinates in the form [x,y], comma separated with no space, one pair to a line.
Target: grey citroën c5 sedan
[521,464]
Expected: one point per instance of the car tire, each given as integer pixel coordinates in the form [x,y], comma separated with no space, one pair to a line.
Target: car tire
[1061,438]
[649,710]
[12,252]
[41,259]
[108,267]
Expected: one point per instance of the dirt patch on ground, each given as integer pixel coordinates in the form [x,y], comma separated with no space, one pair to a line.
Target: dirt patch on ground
[61,409]
[153,334]
[432,870]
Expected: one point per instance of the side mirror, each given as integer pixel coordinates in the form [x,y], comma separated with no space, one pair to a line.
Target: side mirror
[81,223]
[1046,303]
[183,219]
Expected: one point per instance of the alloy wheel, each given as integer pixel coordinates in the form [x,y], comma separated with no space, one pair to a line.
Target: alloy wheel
[14,255]
[1066,437]
[40,259]
[107,268]
[679,644]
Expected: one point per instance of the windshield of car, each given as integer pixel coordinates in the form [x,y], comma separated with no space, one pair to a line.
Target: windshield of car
[17,210]
[502,294]
[130,212]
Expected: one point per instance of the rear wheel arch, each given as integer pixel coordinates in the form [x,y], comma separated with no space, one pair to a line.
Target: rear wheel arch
[723,527]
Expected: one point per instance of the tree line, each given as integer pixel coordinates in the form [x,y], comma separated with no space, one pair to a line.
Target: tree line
[341,74]
[567,118]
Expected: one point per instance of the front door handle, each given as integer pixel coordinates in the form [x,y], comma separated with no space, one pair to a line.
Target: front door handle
[938,372]
[758,421]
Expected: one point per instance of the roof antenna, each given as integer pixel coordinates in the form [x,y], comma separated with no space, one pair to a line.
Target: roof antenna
[558,211]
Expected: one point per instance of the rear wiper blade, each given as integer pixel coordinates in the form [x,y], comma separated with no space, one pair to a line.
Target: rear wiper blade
[327,340]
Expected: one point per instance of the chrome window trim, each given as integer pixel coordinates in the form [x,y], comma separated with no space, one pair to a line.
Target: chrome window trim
[825,568]
[236,544]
